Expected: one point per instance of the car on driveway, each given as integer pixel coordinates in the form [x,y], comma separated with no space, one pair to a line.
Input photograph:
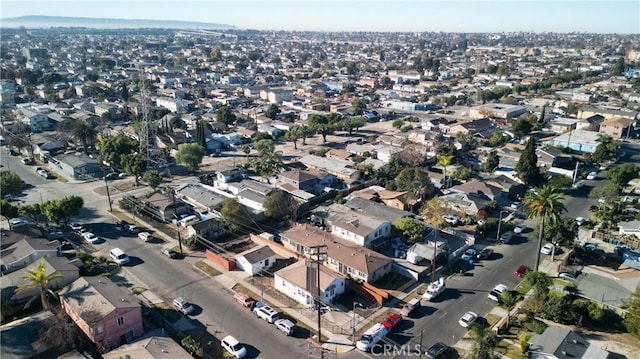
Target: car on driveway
[183,306]
[580,221]
[392,321]
[452,220]
[467,319]
[469,254]
[516,205]
[486,253]
[567,276]
[521,271]
[592,175]
[496,293]
[548,248]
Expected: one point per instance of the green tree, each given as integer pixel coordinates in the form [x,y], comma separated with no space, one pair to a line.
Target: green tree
[632,318]
[31,210]
[484,343]
[293,135]
[509,300]
[84,132]
[190,155]
[539,281]
[462,174]
[322,124]
[235,215]
[8,210]
[272,112]
[153,178]
[444,161]
[40,280]
[527,167]
[63,209]
[564,231]
[111,150]
[560,182]
[224,115]
[354,123]
[609,192]
[622,174]
[134,164]
[397,123]
[618,67]
[359,105]
[201,137]
[492,162]
[246,149]
[521,127]
[10,183]
[410,229]
[305,132]
[269,161]
[415,181]
[544,205]
[277,204]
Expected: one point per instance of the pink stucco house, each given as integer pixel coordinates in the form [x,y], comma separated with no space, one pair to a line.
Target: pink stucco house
[108,314]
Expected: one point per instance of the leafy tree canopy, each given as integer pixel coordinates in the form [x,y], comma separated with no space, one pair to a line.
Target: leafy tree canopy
[527,166]
[63,209]
[621,175]
[111,149]
[277,205]
[235,215]
[409,229]
[10,183]
[153,178]
[190,155]
[632,319]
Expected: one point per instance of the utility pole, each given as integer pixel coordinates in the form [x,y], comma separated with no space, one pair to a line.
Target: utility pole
[435,252]
[173,196]
[320,252]
[108,194]
[420,356]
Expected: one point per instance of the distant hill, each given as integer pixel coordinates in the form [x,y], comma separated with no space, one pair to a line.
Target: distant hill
[41,21]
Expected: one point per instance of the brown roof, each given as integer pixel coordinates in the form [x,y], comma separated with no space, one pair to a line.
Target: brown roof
[160,201]
[298,175]
[357,257]
[339,153]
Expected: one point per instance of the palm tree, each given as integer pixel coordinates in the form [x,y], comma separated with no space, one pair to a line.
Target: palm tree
[84,132]
[544,204]
[509,300]
[444,161]
[484,342]
[38,279]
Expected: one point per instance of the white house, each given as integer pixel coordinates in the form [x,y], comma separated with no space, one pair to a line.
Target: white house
[293,282]
[359,228]
[255,260]
[25,252]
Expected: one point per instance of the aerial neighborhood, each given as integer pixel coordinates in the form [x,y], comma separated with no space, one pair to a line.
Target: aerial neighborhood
[229,193]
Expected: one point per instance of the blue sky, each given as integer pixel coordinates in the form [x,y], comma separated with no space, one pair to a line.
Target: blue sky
[620,16]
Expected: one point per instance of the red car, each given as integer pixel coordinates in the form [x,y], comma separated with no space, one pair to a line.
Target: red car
[521,271]
[244,299]
[392,321]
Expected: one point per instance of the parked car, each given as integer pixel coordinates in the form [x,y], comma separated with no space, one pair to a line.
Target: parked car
[567,276]
[119,256]
[506,237]
[286,326]
[592,175]
[516,205]
[27,161]
[467,319]
[169,252]
[183,306]
[244,299]
[520,228]
[233,347]
[452,220]
[469,254]
[548,248]
[580,221]
[18,222]
[90,237]
[438,351]
[75,226]
[111,176]
[392,321]
[123,175]
[486,253]
[521,271]
[496,292]
[145,236]
[9,197]
[267,313]
[410,307]
[132,228]
[578,185]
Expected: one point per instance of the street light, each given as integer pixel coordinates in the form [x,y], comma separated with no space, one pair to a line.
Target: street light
[353,336]
[499,223]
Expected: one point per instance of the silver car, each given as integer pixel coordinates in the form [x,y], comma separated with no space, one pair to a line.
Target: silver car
[183,306]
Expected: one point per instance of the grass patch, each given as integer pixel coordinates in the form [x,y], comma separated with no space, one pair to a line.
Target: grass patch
[60,178]
[209,270]
[523,288]
[509,350]
[138,290]
[492,319]
[168,312]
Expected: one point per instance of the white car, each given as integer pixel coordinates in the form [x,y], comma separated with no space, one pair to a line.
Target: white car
[516,205]
[452,220]
[496,292]
[183,306]
[469,254]
[18,222]
[592,175]
[75,226]
[580,221]
[548,248]
[90,237]
[567,276]
[520,228]
[233,347]
[467,319]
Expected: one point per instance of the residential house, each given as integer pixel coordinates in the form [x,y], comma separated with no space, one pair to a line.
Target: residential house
[19,338]
[497,110]
[209,228]
[591,123]
[343,257]
[293,281]
[563,124]
[153,347]
[429,252]
[479,188]
[559,343]
[344,170]
[38,122]
[386,152]
[77,166]
[255,260]
[617,127]
[375,209]
[436,123]
[464,202]
[53,266]
[361,149]
[588,111]
[630,228]
[107,313]
[16,234]
[482,127]
[166,209]
[577,140]
[201,196]
[26,252]
[393,199]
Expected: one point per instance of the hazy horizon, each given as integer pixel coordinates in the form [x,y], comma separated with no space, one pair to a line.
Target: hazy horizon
[615,16]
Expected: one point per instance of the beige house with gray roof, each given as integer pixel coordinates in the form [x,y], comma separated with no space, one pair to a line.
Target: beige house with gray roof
[293,281]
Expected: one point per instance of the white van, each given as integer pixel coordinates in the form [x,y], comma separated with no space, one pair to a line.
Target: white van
[371,337]
[187,221]
[145,236]
[119,256]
